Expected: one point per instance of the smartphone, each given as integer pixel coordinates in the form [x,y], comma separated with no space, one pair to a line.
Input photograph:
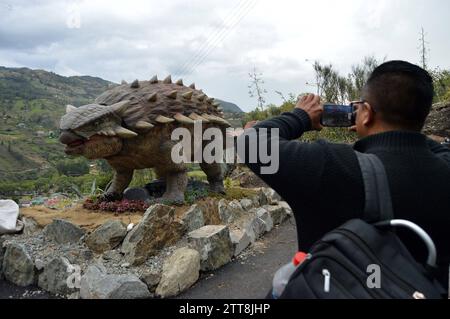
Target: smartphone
[337,116]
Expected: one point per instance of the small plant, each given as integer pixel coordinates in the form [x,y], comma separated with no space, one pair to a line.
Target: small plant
[117,206]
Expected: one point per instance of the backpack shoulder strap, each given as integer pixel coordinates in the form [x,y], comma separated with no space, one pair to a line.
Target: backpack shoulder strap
[378,205]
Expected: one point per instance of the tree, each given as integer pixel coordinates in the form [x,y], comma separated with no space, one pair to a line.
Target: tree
[256,88]
[73,167]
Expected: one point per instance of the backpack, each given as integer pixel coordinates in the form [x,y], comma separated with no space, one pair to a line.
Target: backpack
[365,259]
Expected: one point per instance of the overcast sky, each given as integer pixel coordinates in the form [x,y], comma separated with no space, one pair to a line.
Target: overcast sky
[216,43]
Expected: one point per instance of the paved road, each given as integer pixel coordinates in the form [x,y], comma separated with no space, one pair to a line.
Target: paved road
[248,277]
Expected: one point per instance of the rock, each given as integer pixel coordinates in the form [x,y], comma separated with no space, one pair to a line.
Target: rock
[228,212]
[151,278]
[2,254]
[180,272]
[214,245]
[193,218]
[54,277]
[138,194]
[31,227]
[287,208]
[246,204]
[257,226]
[63,232]
[18,267]
[157,229]
[241,239]
[265,216]
[106,237]
[113,255]
[278,213]
[78,255]
[224,212]
[272,197]
[39,264]
[97,284]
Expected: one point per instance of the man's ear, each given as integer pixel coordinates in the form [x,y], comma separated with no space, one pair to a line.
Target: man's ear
[369,115]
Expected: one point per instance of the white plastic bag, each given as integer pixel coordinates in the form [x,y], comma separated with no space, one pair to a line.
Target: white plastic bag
[9,213]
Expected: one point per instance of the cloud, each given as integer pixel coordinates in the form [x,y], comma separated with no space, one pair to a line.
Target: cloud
[136,39]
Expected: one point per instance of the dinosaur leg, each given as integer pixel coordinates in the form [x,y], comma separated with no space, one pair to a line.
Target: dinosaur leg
[176,182]
[214,172]
[121,180]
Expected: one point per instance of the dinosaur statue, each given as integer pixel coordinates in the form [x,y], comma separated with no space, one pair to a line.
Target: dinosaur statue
[130,127]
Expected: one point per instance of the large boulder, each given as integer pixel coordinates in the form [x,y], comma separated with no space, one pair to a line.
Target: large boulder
[193,218]
[18,266]
[106,237]
[278,213]
[54,277]
[63,232]
[180,272]
[157,229]
[31,227]
[241,239]
[2,254]
[438,122]
[229,211]
[97,284]
[214,245]
[151,278]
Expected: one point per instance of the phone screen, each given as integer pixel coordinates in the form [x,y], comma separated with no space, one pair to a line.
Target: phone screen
[337,115]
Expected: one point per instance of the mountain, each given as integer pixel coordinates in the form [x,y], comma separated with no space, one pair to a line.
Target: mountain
[230,107]
[31,105]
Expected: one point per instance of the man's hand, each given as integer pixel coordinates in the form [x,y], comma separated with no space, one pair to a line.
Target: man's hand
[250,124]
[311,104]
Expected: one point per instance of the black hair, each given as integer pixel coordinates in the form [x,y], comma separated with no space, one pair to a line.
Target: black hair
[402,93]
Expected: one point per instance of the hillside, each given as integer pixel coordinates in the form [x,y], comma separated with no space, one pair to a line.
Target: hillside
[31,105]
[230,107]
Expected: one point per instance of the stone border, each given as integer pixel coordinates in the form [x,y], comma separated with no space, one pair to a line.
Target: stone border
[162,256]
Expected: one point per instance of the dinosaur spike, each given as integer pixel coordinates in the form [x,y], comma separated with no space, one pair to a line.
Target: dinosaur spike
[70,108]
[124,133]
[153,97]
[120,108]
[154,80]
[216,119]
[164,120]
[188,95]
[210,100]
[110,132]
[179,82]
[172,95]
[196,117]
[201,97]
[135,84]
[124,82]
[143,125]
[192,86]
[168,80]
[183,119]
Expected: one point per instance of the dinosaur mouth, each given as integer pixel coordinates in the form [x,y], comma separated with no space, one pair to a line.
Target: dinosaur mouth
[75,144]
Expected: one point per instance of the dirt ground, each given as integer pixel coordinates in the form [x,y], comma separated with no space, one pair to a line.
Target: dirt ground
[77,215]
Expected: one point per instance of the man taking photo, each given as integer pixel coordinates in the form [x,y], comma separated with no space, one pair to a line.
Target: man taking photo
[323,182]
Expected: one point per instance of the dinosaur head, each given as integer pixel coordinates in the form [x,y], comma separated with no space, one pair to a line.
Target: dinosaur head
[94,131]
